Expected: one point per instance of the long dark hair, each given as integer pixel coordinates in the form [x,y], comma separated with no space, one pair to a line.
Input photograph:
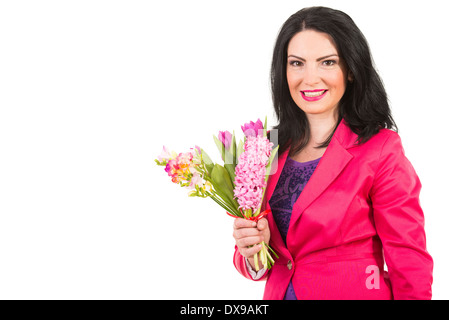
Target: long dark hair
[364,105]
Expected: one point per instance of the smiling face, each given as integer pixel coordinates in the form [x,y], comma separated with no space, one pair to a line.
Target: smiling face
[316,75]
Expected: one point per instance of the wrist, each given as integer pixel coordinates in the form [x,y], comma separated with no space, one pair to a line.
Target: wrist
[252,263]
[255,275]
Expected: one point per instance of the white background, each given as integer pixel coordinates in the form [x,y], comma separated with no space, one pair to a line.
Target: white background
[90,91]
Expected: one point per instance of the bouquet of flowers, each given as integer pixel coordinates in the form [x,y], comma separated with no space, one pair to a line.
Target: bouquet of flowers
[238,185]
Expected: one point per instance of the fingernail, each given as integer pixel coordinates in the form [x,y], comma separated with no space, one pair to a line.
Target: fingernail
[254,224]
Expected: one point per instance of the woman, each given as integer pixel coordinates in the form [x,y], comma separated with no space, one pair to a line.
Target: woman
[344,198]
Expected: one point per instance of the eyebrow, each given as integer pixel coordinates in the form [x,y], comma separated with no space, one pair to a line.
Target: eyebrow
[319,59]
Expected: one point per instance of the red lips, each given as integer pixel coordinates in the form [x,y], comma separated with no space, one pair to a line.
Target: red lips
[314,98]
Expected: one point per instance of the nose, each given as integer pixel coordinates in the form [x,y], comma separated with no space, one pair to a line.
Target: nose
[311,76]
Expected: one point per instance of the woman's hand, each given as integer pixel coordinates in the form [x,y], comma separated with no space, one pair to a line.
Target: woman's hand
[248,235]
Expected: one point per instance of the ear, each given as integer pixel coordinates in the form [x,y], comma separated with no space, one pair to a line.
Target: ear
[350,76]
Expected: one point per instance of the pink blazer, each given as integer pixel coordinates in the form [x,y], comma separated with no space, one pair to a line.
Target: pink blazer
[361,205]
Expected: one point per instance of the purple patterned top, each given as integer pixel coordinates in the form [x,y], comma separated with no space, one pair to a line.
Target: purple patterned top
[292,181]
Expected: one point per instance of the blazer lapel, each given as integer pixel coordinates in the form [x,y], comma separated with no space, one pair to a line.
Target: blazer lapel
[277,242]
[331,164]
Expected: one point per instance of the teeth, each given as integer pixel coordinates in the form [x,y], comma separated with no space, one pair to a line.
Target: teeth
[314,94]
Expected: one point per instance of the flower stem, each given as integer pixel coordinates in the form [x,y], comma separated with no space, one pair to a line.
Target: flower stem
[222,204]
[256,261]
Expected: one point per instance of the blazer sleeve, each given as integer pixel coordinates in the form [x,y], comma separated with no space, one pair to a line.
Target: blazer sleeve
[240,265]
[399,222]
[240,261]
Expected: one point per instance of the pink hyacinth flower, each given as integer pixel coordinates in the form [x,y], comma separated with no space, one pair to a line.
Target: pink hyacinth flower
[250,172]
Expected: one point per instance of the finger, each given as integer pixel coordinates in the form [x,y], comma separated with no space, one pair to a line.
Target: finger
[249,241]
[262,224]
[249,252]
[246,232]
[243,223]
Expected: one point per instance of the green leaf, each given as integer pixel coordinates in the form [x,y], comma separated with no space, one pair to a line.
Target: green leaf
[231,170]
[207,161]
[223,185]
[220,146]
[268,167]
[273,154]
[233,150]
[239,150]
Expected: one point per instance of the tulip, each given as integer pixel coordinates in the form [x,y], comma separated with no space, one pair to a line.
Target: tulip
[252,129]
[226,138]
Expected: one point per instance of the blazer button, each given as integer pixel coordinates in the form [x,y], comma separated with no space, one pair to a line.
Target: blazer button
[289,265]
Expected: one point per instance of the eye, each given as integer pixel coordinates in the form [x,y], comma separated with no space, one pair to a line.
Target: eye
[296,63]
[329,63]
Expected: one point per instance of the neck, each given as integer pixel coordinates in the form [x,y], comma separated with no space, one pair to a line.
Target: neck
[321,126]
